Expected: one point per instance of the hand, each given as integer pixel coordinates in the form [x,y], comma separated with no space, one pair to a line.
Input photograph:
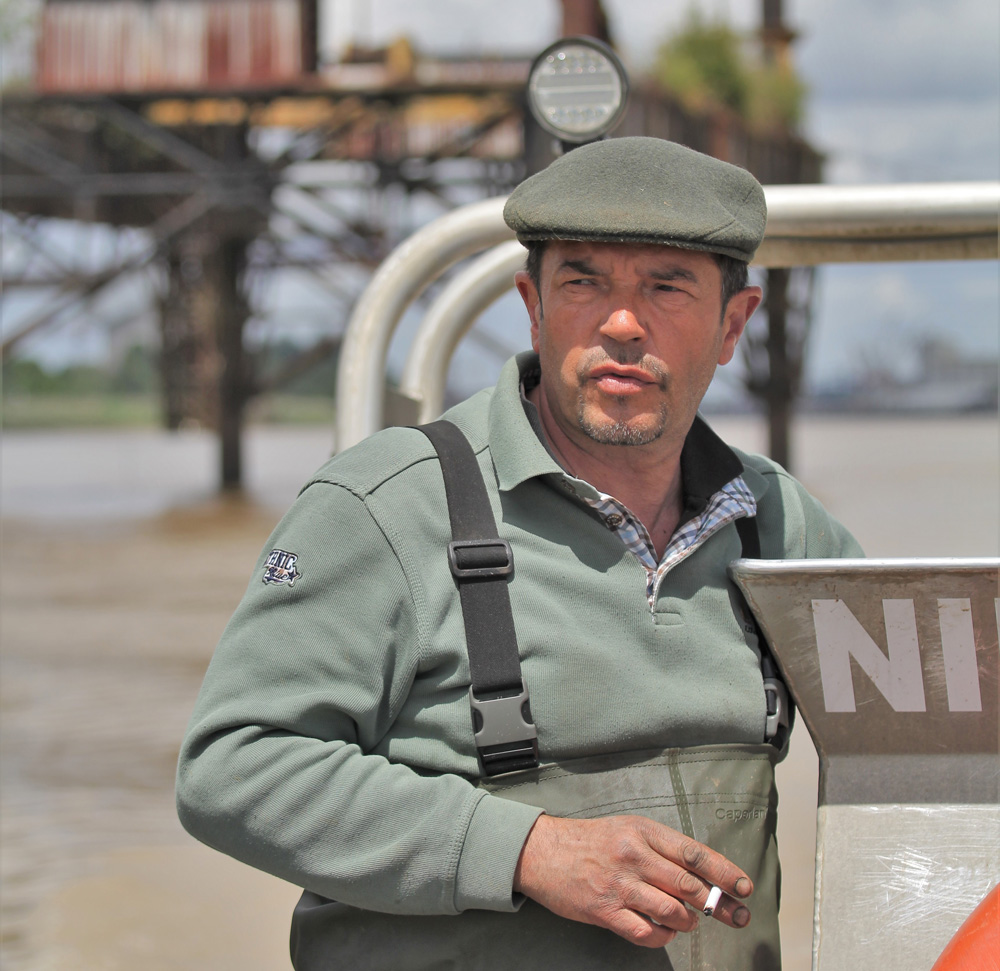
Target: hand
[628,874]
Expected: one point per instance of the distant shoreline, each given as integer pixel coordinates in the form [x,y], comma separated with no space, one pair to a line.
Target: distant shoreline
[907,485]
[65,411]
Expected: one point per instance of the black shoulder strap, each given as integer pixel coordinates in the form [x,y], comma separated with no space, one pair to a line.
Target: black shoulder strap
[778,722]
[481,564]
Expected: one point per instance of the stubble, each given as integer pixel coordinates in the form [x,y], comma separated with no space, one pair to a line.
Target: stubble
[629,431]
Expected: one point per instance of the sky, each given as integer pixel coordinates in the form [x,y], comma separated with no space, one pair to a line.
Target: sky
[900,91]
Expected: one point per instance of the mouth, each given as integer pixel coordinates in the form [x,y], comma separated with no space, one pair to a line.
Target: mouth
[619,379]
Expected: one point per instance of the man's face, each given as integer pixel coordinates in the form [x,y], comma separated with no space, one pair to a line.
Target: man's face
[629,337]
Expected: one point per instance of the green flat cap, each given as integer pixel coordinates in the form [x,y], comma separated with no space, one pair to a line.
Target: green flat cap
[642,190]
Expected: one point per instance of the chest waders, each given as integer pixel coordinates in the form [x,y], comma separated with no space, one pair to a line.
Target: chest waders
[721,795]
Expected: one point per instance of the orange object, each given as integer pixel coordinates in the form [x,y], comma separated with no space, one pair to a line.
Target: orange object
[976,944]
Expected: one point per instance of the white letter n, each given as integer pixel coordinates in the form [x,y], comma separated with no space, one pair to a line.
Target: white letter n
[839,636]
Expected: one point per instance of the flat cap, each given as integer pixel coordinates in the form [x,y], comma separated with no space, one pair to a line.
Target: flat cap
[642,190]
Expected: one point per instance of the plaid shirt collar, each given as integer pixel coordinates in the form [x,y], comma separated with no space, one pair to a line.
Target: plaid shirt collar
[713,490]
[731,502]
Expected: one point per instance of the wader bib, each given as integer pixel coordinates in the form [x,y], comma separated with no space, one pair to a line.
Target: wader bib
[721,795]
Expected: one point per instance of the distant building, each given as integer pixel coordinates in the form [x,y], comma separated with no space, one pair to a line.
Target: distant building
[138,46]
[945,382]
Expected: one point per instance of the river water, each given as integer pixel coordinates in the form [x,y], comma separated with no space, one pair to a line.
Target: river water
[120,567]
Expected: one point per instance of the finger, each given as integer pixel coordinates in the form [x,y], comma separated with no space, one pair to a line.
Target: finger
[664,909]
[701,860]
[663,900]
[639,929]
[724,908]
[694,890]
[699,894]
[712,902]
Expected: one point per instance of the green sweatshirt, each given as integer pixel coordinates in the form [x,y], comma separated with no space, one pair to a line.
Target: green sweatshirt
[332,741]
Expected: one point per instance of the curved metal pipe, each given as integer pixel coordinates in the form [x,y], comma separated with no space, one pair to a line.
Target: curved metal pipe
[925,210]
[450,316]
[401,278]
[812,224]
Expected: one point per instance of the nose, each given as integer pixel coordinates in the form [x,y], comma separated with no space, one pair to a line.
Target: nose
[623,325]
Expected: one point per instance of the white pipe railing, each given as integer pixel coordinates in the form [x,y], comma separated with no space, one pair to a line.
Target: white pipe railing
[403,276]
[812,224]
[488,278]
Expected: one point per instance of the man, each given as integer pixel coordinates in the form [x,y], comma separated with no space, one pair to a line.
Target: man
[332,743]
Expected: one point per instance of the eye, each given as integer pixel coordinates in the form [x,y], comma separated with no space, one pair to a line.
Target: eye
[672,288]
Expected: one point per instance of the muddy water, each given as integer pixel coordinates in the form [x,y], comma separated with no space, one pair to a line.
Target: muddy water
[119,572]
[106,632]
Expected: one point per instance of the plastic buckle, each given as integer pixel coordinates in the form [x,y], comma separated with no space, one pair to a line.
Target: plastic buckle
[500,565]
[776,725]
[506,737]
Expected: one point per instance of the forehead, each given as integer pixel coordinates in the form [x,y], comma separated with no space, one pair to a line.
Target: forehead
[627,258]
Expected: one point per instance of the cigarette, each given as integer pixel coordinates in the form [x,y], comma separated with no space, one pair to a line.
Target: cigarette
[714,896]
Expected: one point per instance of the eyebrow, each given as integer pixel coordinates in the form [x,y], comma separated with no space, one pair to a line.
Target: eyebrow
[580,266]
[674,273]
[586,268]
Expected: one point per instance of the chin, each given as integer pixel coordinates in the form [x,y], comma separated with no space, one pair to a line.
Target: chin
[623,431]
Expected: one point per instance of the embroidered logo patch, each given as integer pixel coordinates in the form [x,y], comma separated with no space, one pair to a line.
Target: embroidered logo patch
[280,568]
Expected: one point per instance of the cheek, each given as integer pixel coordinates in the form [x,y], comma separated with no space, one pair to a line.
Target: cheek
[560,343]
[694,346]
[558,357]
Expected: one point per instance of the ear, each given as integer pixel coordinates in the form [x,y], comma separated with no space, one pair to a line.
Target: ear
[734,321]
[532,302]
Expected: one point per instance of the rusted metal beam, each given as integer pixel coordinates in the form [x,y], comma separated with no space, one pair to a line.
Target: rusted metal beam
[156,136]
[109,184]
[465,140]
[163,230]
[20,145]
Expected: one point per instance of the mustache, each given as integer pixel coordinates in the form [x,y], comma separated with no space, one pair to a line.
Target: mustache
[626,357]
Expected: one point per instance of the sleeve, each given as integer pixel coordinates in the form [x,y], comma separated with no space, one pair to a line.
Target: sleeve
[276,768]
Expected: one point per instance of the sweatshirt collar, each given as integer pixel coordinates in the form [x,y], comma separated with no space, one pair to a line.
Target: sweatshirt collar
[518,453]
